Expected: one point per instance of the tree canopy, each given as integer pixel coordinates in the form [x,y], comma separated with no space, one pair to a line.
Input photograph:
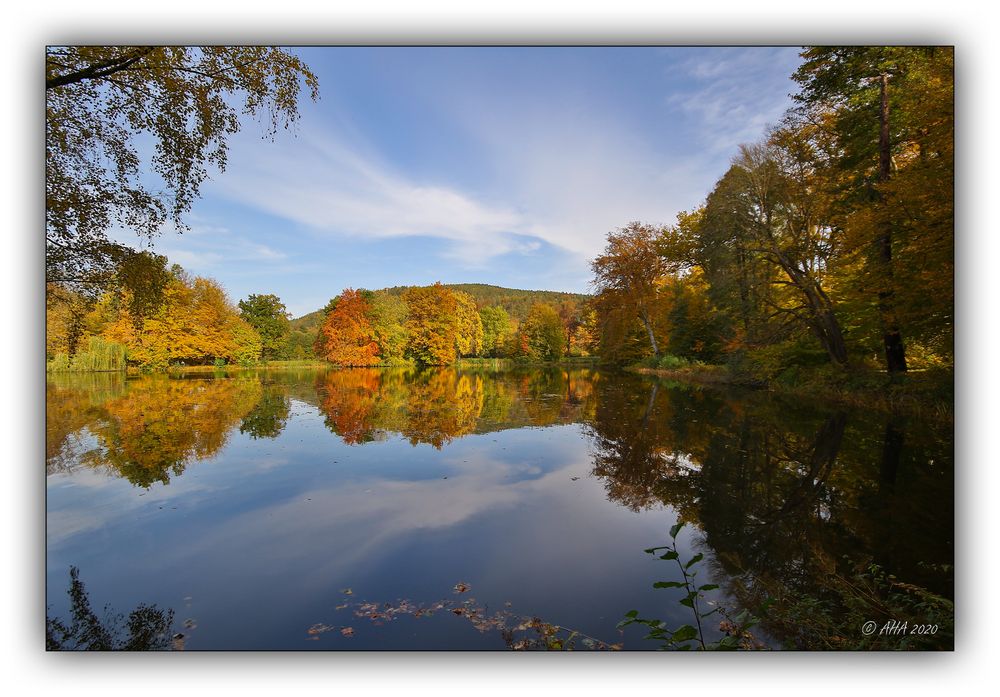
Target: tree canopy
[131,132]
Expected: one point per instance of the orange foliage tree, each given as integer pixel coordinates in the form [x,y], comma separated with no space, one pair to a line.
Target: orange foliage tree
[432,324]
[195,323]
[347,336]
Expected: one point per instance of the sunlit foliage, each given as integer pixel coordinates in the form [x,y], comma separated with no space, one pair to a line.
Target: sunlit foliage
[269,317]
[196,323]
[347,336]
[542,332]
[496,328]
[827,241]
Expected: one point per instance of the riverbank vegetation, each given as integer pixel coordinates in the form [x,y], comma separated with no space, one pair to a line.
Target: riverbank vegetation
[822,258]
[183,321]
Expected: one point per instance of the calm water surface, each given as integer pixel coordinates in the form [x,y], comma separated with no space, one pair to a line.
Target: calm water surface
[330,509]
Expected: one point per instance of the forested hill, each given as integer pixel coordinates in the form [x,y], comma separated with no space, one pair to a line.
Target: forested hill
[516,302]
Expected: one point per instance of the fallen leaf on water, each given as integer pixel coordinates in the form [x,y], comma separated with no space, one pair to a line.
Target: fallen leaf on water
[341,607]
[347,591]
[461,587]
[347,631]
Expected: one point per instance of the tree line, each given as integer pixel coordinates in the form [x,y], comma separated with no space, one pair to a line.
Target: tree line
[174,319]
[438,325]
[827,242]
[177,320]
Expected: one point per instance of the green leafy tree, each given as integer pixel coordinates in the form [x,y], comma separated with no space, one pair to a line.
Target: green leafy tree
[268,315]
[496,329]
[543,332]
[388,315]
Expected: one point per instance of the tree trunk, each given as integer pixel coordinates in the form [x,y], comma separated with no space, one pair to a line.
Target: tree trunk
[892,339]
[822,317]
[649,330]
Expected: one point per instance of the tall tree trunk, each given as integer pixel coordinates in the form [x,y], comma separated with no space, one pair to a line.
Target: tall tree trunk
[892,339]
[649,330]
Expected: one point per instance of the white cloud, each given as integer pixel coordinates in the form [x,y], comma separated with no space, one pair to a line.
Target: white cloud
[566,186]
[329,186]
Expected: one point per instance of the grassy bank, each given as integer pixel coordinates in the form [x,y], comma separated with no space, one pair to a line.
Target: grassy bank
[925,393]
[232,367]
[507,363]
[467,363]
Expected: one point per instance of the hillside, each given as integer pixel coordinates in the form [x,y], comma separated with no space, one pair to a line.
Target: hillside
[515,301]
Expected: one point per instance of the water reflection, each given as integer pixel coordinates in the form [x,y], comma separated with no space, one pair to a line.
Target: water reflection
[788,500]
[438,405]
[148,429]
[148,628]
[145,430]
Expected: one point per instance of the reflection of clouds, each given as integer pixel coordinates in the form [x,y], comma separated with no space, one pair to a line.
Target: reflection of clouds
[355,519]
[69,514]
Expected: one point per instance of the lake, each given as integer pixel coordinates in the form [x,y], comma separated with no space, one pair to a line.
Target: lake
[363,509]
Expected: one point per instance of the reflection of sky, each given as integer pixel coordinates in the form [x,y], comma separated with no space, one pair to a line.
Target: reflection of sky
[263,536]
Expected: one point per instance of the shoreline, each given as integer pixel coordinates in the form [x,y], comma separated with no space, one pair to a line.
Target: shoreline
[907,398]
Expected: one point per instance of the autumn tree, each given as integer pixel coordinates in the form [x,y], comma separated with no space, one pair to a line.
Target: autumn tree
[388,315]
[268,315]
[570,317]
[628,272]
[892,115]
[195,323]
[496,328]
[106,107]
[542,330]
[443,324]
[347,336]
[468,326]
[65,313]
[786,225]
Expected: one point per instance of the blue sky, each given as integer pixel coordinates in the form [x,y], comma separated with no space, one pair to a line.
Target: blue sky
[495,165]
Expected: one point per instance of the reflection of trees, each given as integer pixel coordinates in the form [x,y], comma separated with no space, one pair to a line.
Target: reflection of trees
[349,399]
[162,424]
[268,418]
[148,627]
[151,429]
[442,405]
[786,496]
[437,405]
[71,403]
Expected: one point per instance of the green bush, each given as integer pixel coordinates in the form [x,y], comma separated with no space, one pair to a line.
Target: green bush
[101,356]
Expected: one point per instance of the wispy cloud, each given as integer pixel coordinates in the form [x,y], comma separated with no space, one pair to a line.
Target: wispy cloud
[516,174]
[205,247]
[738,94]
[565,181]
[331,187]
